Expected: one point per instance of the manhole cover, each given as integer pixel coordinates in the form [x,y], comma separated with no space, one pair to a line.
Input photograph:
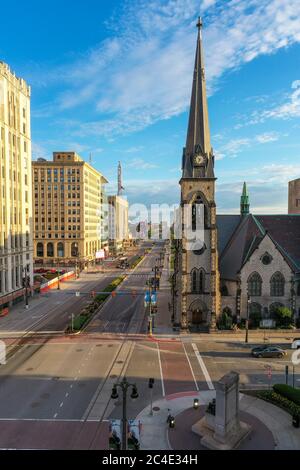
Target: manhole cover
[110,345]
[120,362]
[99,345]
[35,404]
[79,350]
[29,369]
[45,395]
[156,408]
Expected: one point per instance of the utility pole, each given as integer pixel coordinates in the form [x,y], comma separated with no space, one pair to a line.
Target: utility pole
[26,282]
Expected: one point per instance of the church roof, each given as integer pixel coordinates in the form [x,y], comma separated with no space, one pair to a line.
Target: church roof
[238,239]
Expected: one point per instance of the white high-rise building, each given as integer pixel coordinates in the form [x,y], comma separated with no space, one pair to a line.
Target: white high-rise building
[16,246]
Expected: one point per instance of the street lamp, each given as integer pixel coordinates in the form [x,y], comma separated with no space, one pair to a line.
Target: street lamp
[247,318]
[124,385]
[26,284]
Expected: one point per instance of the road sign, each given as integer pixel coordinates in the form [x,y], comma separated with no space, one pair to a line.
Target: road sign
[77,294]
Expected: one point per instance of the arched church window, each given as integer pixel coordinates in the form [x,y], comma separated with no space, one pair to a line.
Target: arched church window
[254,285]
[201,282]
[277,285]
[194,281]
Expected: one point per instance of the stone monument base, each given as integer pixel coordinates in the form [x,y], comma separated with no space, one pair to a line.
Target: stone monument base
[209,439]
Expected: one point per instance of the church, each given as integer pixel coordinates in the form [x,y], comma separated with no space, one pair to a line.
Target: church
[245,264]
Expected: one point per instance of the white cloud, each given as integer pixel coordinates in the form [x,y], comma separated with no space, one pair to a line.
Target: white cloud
[267,137]
[143,73]
[290,109]
[140,164]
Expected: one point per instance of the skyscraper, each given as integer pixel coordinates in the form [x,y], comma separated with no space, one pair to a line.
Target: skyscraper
[15,186]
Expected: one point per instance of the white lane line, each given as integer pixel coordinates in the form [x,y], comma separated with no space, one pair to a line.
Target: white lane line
[66,395]
[161,373]
[76,378]
[61,405]
[55,416]
[203,367]
[188,359]
[71,386]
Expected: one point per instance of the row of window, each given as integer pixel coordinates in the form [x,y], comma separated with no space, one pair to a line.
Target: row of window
[277,285]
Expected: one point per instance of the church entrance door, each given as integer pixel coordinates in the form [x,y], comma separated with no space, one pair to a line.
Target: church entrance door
[198,317]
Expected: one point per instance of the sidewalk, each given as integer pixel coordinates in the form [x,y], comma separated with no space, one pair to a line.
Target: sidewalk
[19,319]
[163,324]
[272,427]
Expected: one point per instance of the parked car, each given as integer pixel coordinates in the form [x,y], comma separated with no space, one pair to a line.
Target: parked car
[296,343]
[270,351]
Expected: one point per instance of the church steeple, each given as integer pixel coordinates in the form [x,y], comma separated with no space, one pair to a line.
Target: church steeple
[245,201]
[198,160]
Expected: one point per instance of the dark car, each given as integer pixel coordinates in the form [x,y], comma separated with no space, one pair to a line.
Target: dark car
[270,351]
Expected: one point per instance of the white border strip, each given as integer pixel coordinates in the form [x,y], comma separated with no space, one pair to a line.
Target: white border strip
[203,367]
[161,372]
[188,359]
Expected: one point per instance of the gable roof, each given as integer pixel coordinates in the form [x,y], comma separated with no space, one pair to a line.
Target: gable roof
[239,239]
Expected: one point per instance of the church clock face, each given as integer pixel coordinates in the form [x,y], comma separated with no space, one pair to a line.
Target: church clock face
[198,160]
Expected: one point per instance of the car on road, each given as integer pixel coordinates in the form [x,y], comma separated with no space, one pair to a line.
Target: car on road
[269,351]
[296,343]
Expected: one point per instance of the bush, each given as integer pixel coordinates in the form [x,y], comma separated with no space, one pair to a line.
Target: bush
[225,322]
[283,316]
[255,318]
[279,400]
[289,392]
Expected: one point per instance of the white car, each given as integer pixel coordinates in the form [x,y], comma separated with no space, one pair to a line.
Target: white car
[296,343]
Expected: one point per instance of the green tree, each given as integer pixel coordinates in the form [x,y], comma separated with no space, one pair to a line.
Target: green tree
[283,316]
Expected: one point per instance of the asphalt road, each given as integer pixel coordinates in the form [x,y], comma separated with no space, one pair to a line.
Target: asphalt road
[69,379]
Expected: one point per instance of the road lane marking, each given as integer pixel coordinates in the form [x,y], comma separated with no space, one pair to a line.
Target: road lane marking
[203,367]
[188,359]
[161,372]
[61,405]
[55,415]
[66,395]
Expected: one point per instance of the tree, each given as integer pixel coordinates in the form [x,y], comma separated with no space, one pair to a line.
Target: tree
[283,316]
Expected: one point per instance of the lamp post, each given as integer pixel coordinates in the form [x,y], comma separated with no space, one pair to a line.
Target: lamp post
[247,318]
[124,385]
[26,283]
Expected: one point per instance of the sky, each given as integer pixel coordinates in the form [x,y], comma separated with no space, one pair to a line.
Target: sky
[112,78]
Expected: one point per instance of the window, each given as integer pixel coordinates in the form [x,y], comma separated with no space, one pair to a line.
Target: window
[277,285]
[266,259]
[74,250]
[50,250]
[194,280]
[40,250]
[60,250]
[254,285]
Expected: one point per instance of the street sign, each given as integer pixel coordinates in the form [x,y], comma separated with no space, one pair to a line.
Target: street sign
[77,294]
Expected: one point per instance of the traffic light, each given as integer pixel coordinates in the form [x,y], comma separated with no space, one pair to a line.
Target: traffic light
[151,383]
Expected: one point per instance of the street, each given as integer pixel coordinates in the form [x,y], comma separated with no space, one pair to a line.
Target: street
[62,379]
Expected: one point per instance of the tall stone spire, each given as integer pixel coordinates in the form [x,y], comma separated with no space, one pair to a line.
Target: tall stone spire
[245,201]
[198,137]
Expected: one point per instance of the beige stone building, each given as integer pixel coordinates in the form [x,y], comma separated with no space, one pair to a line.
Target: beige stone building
[294,196]
[68,198]
[117,224]
[16,244]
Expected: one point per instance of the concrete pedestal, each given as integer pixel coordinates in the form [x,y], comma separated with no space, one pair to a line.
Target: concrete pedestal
[224,430]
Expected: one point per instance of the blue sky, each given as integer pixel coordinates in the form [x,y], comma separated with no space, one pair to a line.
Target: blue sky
[113,78]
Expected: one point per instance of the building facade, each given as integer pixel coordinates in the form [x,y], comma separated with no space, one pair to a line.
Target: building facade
[68,196]
[117,223]
[241,265]
[198,301]
[16,244]
[294,196]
